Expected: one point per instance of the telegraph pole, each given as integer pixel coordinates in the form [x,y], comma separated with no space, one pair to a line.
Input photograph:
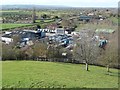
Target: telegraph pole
[33,15]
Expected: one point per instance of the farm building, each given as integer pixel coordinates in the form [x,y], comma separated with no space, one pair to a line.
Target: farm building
[85,18]
[60,31]
[25,35]
[7,38]
[32,34]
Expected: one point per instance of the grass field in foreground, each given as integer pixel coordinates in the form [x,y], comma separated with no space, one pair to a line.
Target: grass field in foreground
[31,74]
[12,25]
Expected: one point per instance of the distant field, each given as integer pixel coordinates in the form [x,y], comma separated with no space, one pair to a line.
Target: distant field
[12,25]
[9,10]
[58,13]
[114,19]
[5,26]
[45,21]
[9,13]
[37,74]
[95,26]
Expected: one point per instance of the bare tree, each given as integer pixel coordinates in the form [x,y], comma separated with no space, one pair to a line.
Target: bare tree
[86,49]
[39,50]
[109,57]
[16,40]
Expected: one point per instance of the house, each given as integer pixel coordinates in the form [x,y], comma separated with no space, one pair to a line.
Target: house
[91,14]
[52,26]
[69,30]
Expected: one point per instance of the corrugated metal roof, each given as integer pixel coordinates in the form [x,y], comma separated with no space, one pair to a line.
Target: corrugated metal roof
[85,17]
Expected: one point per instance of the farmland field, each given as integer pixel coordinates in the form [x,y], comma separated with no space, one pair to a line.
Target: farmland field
[45,21]
[12,25]
[32,74]
[9,11]
[115,20]
[13,12]
[95,26]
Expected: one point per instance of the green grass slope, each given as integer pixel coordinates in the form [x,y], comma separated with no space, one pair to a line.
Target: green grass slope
[36,74]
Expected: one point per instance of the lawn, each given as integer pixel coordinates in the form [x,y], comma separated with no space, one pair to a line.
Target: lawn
[37,74]
[12,25]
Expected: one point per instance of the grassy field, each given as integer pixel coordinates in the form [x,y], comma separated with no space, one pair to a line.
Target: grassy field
[18,12]
[9,11]
[114,19]
[32,74]
[12,25]
[95,26]
[45,21]
[5,26]
[56,13]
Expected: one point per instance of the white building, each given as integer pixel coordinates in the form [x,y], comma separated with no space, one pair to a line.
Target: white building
[8,32]
[7,40]
[60,31]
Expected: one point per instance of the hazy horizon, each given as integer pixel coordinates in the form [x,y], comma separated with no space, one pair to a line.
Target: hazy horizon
[67,3]
[59,6]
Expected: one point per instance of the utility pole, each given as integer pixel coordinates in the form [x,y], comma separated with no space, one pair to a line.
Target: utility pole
[33,15]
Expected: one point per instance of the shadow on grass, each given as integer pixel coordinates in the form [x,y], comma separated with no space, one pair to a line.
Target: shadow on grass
[115,74]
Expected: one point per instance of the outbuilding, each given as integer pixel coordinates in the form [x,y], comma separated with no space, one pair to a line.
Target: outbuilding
[85,18]
[7,39]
